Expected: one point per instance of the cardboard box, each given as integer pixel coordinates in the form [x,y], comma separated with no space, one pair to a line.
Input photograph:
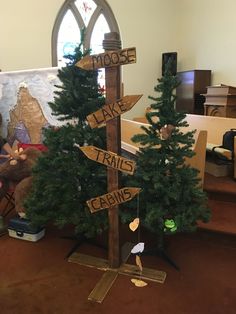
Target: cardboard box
[219,170]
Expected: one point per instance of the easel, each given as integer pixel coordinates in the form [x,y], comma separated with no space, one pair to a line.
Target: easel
[113,266]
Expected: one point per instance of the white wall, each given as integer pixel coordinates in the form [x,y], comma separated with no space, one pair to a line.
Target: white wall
[150,26]
[206,32]
[202,32]
[25,33]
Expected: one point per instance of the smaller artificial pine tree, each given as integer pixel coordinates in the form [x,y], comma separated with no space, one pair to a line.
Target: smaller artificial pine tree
[64,178]
[171,200]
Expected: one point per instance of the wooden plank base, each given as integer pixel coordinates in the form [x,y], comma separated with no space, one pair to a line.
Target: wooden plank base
[89,261]
[146,274]
[103,286]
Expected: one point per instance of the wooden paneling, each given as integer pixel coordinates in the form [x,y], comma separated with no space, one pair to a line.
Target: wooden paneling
[189,93]
[220,101]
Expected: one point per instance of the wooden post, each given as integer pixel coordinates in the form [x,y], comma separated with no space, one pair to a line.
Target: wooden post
[112,60]
[113,93]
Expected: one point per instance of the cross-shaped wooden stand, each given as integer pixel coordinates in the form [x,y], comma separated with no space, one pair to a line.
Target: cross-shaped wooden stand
[115,264]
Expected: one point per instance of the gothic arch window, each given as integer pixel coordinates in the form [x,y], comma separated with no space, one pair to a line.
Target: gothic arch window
[95,15]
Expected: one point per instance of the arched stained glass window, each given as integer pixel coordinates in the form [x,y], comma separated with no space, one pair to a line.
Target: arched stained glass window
[86,9]
[94,15]
[67,38]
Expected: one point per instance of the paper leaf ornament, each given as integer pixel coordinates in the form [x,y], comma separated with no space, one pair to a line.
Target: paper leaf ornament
[138,283]
[138,262]
[138,248]
[134,224]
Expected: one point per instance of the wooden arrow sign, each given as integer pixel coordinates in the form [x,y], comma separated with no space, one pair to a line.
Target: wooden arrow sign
[108,59]
[112,199]
[110,111]
[109,159]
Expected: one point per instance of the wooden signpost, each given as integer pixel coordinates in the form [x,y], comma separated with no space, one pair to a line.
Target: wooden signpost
[109,115]
[110,111]
[109,159]
[113,135]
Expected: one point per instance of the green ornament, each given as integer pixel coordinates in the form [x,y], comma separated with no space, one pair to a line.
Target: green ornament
[170,225]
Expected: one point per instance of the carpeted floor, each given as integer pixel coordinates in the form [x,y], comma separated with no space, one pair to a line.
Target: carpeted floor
[37,277]
[222,202]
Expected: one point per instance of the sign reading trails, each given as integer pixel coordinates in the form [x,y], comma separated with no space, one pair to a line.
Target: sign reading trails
[108,59]
[112,199]
[109,159]
[110,111]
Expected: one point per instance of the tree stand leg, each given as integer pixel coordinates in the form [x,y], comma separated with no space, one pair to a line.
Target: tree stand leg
[80,240]
[160,251]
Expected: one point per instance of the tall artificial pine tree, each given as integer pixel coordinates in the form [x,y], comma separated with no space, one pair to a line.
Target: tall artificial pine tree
[64,178]
[171,200]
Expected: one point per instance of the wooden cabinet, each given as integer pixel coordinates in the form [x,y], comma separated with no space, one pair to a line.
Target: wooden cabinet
[189,94]
[220,101]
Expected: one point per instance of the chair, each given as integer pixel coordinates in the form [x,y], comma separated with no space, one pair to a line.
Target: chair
[10,205]
[7,194]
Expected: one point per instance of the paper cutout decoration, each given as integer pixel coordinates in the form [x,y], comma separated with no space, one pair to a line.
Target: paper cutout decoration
[134,224]
[139,263]
[26,117]
[138,248]
[138,282]
[21,133]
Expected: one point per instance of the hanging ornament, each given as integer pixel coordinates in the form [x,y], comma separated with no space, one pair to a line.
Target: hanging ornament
[166,131]
[138,282]
[170,225]
[134,224]
[139,263]
[138,248]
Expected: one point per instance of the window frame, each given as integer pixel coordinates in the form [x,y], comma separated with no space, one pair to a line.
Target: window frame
[102,8]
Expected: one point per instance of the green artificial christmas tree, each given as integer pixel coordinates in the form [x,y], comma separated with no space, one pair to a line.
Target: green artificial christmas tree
[64,178]
[171,200]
